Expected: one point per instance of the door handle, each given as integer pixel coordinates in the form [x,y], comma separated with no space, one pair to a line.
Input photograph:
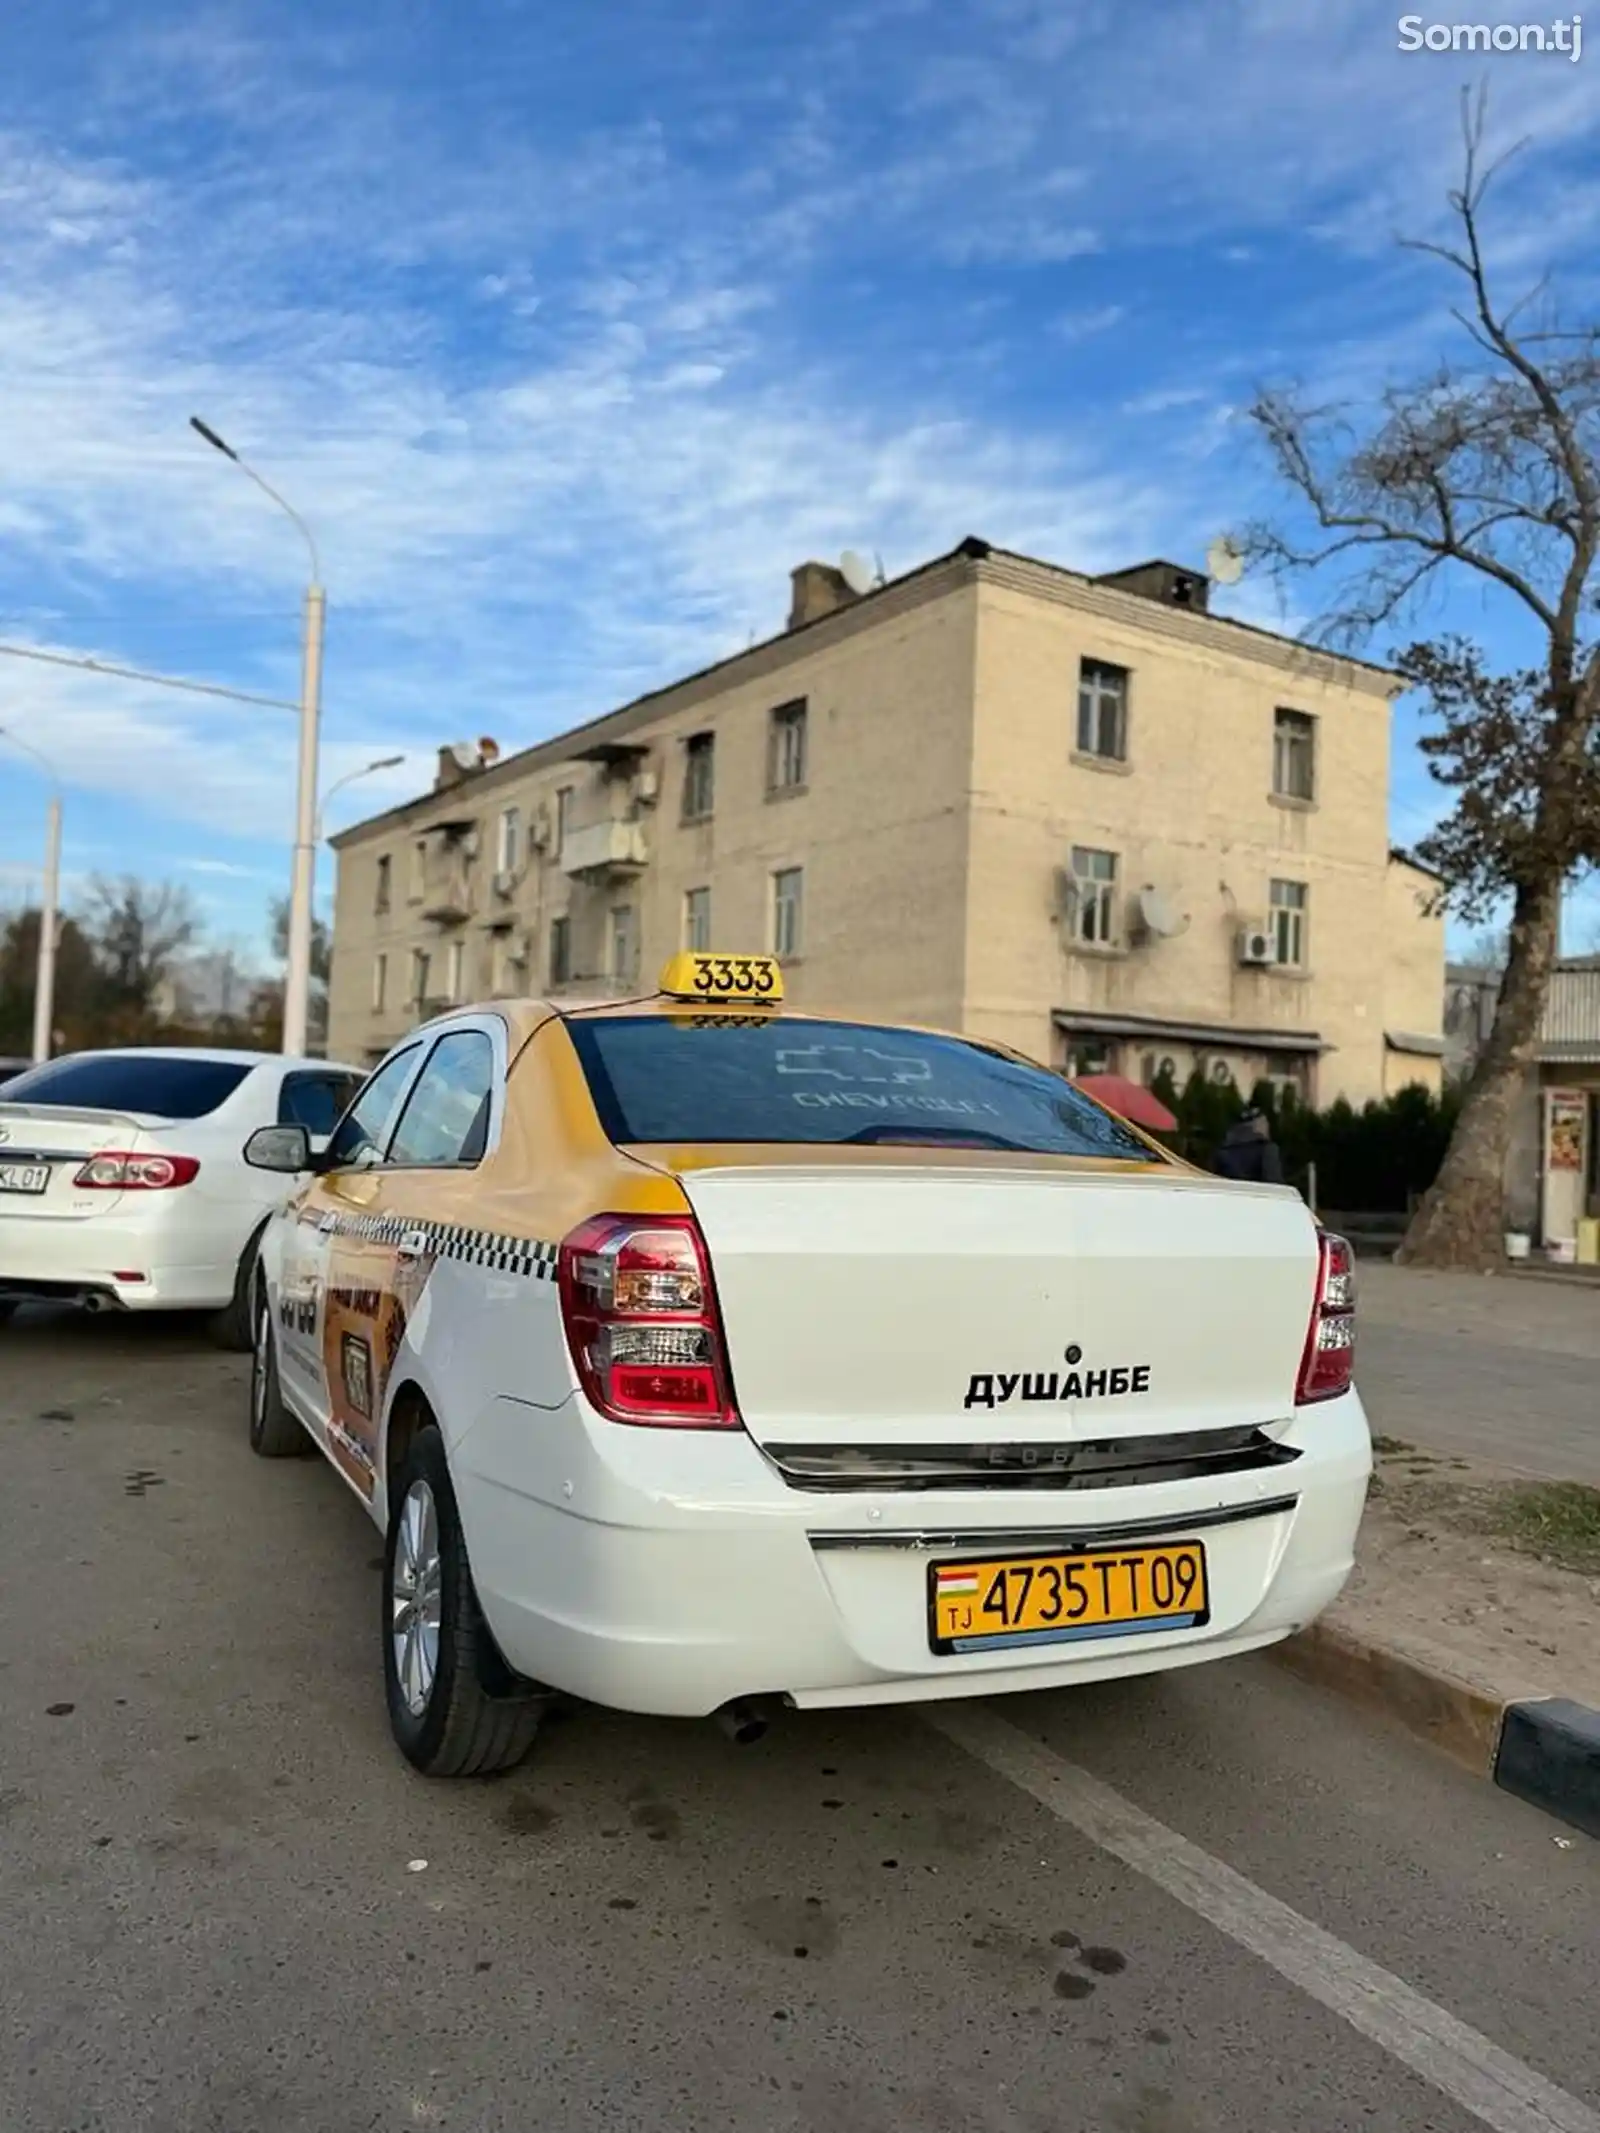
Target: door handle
[412,1245]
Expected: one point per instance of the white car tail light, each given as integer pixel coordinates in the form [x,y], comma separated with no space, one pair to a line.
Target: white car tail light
[113,1171]
[642,1322]
[1330,1355]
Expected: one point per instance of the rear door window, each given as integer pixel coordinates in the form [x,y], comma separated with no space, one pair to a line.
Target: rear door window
[657,1078]
[158,1086]
[315,1101]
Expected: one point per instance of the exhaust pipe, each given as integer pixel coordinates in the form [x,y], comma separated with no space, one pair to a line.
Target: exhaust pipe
[743,1721]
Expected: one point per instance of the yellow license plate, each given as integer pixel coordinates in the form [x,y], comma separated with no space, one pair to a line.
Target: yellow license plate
[1060,1599]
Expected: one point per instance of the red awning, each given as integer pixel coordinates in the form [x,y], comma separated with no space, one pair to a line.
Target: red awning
[1129,1100]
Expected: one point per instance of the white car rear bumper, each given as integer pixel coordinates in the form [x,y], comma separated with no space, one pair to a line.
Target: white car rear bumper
[672,1572]
[187,1268]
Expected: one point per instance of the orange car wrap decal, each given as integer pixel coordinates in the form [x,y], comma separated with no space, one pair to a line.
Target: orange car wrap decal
[371,1302]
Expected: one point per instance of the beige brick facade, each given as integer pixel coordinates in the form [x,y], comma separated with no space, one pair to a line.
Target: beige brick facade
[993,795]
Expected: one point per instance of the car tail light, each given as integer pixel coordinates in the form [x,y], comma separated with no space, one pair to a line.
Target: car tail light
[642,1322]
[1329,1359]
[113,1171]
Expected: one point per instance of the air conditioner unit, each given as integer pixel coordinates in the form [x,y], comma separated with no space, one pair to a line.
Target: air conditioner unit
[519,949]
[469,844]
[647,788]
[505,881]
[539,831]
[1253,947]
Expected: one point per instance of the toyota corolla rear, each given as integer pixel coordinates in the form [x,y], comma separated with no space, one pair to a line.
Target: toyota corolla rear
[119,1180]
[938,1381]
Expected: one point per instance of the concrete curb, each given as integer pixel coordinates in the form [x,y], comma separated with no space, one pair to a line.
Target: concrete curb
[1544,1749]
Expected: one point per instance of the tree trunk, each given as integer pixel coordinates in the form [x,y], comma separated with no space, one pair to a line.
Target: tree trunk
[1461,1222]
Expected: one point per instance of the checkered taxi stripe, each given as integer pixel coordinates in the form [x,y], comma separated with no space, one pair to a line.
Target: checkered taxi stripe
[455,1240]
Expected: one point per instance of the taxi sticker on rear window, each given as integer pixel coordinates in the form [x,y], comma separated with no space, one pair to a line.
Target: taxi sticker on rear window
[748,979]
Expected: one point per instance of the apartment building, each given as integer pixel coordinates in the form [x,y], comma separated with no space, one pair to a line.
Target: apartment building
[1083,815]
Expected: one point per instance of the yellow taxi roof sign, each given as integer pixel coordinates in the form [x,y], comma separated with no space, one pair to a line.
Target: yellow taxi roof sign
[748,980]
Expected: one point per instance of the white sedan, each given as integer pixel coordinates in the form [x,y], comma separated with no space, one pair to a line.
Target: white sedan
[123,1183]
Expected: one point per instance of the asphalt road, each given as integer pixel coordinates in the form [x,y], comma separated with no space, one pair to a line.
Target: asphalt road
[1181,1906]
[1503,1370]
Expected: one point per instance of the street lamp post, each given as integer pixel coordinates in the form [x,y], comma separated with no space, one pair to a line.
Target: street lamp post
[302,880]
[44,969]
[383,762]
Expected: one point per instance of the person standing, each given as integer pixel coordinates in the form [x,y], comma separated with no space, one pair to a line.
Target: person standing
[1249,1153]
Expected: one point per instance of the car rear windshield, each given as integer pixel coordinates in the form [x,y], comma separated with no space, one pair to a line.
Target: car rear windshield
[130,1081]
[830,1084]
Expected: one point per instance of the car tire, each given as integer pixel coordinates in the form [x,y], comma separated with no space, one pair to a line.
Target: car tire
[274,1432]
[455,1708]
[232,1327]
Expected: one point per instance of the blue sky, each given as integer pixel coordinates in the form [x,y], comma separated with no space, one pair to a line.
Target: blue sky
[571,327]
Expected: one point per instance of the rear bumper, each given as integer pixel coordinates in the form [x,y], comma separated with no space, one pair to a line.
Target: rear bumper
[671,1572]
[66,1259]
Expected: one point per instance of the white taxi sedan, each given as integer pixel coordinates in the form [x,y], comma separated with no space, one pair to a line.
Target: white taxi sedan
[699,1357]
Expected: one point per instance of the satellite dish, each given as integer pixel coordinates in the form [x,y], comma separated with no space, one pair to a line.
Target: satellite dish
[1225,560]
[465,754]
[1157,914]
[857,572]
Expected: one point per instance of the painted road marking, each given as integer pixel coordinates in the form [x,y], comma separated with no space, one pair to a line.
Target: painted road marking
[1465,2066]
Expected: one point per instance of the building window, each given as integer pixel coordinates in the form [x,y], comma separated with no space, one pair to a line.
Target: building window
[1094,913]
[697,919]
[417,881]
[560,951]
[380,901]
[380,982]
[563,818]
[624,944]
[452,971]
[788,911]
[1103,710]
[1287,923]
[786,748]
[1294,755]
[699,776]
[419,975]
[508,854]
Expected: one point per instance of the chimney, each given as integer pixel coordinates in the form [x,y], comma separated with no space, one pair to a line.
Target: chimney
[1169,583]
[461,759]
[819,590]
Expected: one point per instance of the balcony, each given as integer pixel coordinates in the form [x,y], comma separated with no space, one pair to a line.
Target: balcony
[446,898]
[604,851]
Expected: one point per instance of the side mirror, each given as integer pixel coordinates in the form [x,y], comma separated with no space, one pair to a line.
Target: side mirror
[282,1148]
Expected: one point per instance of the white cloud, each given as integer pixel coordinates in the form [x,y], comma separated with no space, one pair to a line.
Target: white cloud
[1085,324]
[566,403]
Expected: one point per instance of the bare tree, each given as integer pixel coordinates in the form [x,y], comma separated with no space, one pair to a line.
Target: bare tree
[1488,469]
[321,944]
[137,928]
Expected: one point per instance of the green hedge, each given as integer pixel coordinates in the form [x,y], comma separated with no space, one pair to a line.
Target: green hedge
[1373,1161]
